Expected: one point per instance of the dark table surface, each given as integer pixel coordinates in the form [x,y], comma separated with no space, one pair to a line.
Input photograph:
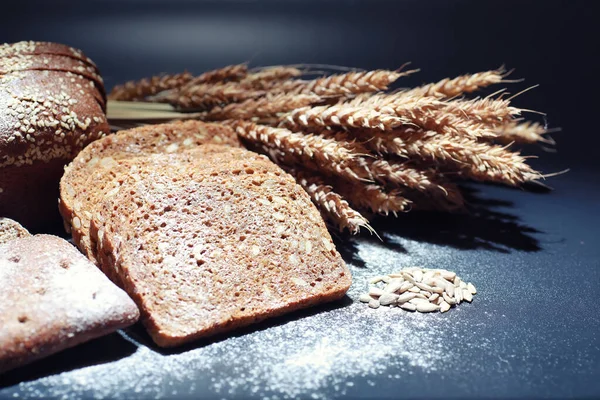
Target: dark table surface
[533,328]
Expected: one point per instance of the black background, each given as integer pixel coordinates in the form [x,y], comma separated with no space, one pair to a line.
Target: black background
[551,43]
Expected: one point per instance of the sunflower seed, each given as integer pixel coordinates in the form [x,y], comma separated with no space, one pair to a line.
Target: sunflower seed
[471,288]
[375,291]
[457,281]
[424,286]
[418,300]
[376,279]
[405,286]
[463,285]
[448,275]
[427,307]
[408,306]
[450,290]
[393,286]
[467,295]
[365,298]
[434,297]
[414,289]
[374,304]
[408,277]
[403,298]
[444,307]
[458,296]
[418,275]
[448,299]
[387,298]
[425,293]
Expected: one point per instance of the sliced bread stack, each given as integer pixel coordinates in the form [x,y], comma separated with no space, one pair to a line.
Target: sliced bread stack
[205,238]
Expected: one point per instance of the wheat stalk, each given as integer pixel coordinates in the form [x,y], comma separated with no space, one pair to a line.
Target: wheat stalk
[332,206]
[139,90]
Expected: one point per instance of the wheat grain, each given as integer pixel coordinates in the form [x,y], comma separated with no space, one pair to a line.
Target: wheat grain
[139,90]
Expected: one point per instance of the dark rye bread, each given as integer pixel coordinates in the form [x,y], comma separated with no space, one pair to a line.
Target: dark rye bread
[45,119]
[10,230]
[210,244]
[95,170]
[53,298]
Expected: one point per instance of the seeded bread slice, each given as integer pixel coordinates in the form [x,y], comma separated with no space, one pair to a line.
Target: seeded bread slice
[10,230]
[95,170]
[53,298]
[206,245]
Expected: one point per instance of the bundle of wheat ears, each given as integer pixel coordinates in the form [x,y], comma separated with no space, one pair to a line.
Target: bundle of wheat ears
[356,147]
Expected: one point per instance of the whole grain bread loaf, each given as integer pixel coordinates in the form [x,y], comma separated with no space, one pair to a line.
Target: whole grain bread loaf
[97,169]
[10,230]
[209,243]
[53,298]
[46,117]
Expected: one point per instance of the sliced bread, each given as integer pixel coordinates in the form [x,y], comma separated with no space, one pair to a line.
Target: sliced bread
[208,244]
[10,230]
[53,298]
[95,170]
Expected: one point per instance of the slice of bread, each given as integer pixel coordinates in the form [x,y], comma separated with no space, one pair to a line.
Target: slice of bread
[53,298]
[207,244]
[10,230]
[93,172]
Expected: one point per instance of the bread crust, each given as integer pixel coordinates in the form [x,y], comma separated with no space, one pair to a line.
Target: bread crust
[68,300]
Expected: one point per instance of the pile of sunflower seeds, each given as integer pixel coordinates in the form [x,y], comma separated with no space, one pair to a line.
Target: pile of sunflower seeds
[419,289]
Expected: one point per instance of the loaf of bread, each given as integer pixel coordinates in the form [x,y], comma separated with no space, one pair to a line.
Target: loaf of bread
[10,230]
[209,241]
[53,298]
[95,171]
[51,106]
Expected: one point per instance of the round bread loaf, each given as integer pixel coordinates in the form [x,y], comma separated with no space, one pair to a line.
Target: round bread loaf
[48,116]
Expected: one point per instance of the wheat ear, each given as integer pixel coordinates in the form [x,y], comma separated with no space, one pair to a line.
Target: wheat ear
[331,205]
[207,95]
[352,83]
[448,88]
[341,115]
[373,197]
[263,107]
[229,73]
[139,90]
[524,133]
[312,151]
